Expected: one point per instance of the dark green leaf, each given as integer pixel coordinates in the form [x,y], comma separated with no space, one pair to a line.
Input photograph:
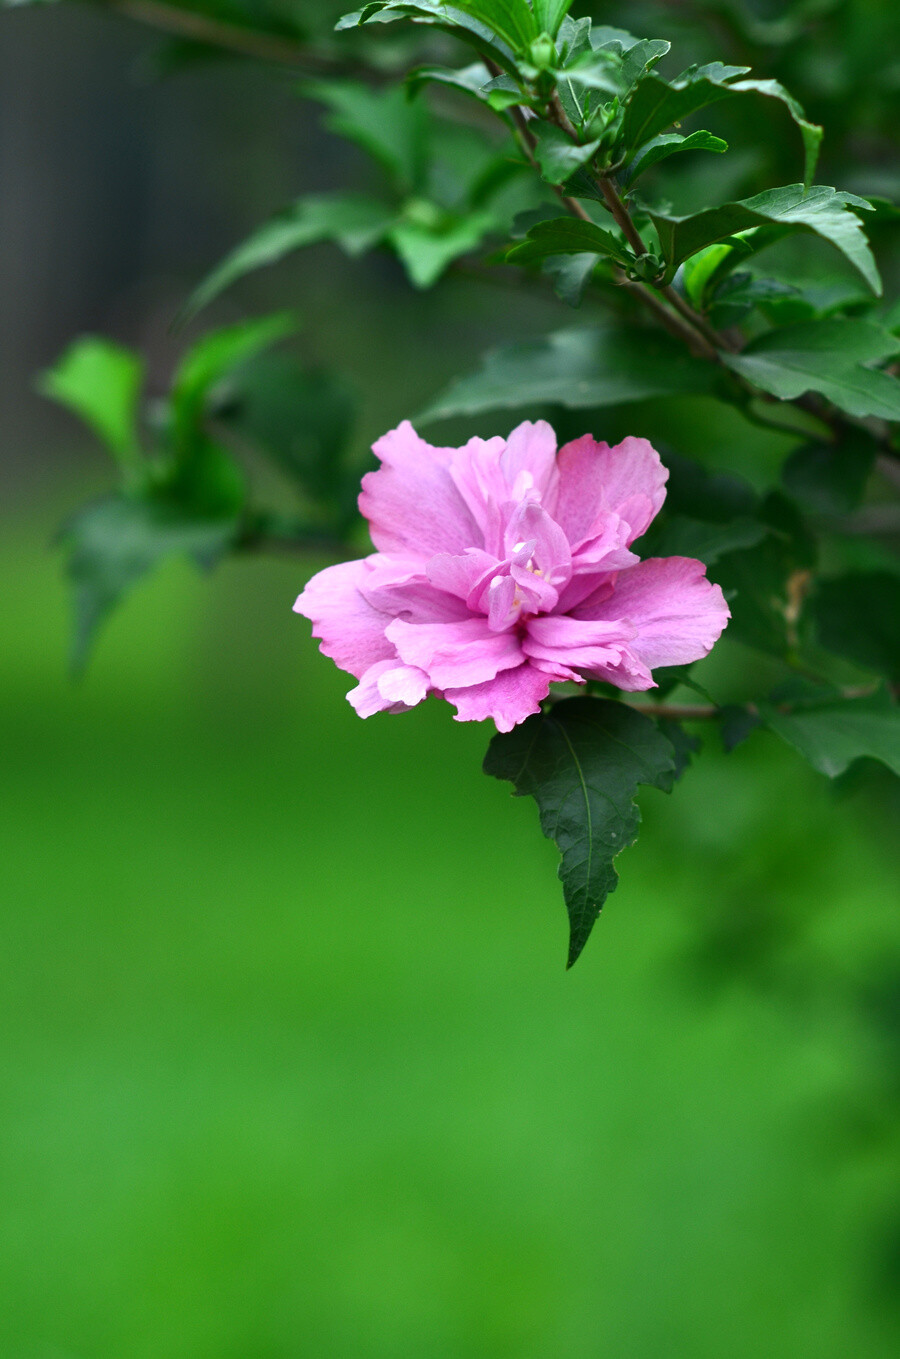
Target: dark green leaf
[571,275]
[567,236]
[470,79]
[825,357]
[459,20]
[582,762]
[735,725]
[820,210]
[669,144]
[695,491]
[101,382]
[355,221]
[835,733]
[211,359]
[830,478]
[578,369]
[657,104]
[677,535]
[858,616]
[684,744]
[112,543]
[558,156]
[301,419]
[387,125]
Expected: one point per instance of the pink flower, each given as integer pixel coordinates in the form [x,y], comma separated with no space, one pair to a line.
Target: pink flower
[501,567]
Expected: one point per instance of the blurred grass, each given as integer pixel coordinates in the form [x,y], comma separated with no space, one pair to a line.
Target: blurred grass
[290,1064]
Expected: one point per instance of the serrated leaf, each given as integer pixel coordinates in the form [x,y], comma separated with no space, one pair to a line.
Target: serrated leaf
[101,382]
[833,734]
[825,357]
[558,156]
[582,761]
[657,104]
[353,221]
[113,542]
[456,19]
[821,210]
[567,236]
[858,616]
[576,369]
[669,144]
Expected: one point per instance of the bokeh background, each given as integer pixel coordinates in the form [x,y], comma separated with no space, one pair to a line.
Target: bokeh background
[290,1065]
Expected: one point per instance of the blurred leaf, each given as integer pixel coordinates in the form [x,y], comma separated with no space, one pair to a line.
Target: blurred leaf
[677,535]
[426,250]
[833,734]
[829,478]
[301,419]
[582,762]
[823,211]
[760,582]
[571,275]
[113,542]
[385,123]
[735,724]
[669,144]
[858,616]
[558,156]
[567,236]
[210,360]
[715,497]
[657,104]
[684,744]
[825,357]
[577,369]
[101,382]
[354,221]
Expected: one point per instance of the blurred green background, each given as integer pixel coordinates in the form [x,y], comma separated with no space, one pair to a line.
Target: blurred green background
[290,1065]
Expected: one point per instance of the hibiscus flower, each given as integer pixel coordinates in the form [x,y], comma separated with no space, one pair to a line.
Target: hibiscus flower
[504,566]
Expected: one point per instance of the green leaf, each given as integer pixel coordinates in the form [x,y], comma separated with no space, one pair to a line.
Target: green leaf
[577,369]
[658,104]
[858,616]
[582,762]
[426,250]
[113,542]
[301,419]
[460,20]
[829,478]
[684,744]
[549,14]
[678,535]
[669,144]
[210,360]
[567,236]
[101,382]
[833,734]
[571,275]
[354,221]
[825,357]
[385,123]
[470,79]
[558,156]
[821,210]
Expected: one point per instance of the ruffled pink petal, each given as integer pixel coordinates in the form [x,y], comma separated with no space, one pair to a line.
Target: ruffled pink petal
[412,505]
[461,576]
[479,480]
[388,686]
[529,462]
[351,631]
[676,613]
[508,699]
[580,645]
[628,479]
[402,588]
[455,654]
